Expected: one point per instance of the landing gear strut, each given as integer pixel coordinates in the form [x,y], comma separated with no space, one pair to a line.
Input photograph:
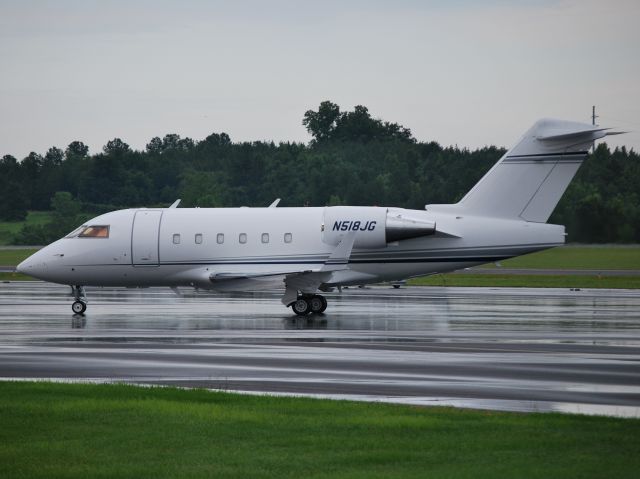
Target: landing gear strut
[309,303]
[79,306]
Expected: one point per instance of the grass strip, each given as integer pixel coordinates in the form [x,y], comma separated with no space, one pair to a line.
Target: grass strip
[578,257]
[13,257]
[71,430]
[528,281]
[15,277]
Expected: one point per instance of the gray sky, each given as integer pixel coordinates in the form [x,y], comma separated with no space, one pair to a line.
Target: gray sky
[461,72]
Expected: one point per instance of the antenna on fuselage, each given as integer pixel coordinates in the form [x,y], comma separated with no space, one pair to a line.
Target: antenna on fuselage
[175,203]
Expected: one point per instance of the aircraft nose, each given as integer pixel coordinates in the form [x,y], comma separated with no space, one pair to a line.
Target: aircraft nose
[31,267]
[22,267]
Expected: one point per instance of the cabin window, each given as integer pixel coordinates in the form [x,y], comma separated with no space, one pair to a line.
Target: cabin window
[265,237]
[220,238]
[95,231]
[176,238]
[198,238]
[242,238]
[288,237]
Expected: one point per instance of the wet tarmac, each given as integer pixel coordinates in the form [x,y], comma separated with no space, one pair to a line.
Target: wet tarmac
[495,348]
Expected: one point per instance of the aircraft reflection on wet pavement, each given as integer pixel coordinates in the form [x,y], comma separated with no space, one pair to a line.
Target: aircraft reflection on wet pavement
[515,349]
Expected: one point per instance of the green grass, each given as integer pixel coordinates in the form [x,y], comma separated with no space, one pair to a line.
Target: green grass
[16,277]
[579,257]
[565,257]
[12,257]
[527,281]
[57,430]
[9,228]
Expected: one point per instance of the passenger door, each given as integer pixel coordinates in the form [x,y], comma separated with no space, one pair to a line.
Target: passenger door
[145,238]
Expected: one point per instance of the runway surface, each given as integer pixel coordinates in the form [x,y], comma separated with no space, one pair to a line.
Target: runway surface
[495,348]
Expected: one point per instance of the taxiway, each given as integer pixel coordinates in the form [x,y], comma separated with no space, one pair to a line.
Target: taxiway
[498,348]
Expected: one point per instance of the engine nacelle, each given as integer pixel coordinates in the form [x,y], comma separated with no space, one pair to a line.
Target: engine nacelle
[406,224]
[374,227]
[367,222]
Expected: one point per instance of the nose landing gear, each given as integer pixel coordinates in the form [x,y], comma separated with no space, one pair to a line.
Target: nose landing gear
[79,306]
[305,304]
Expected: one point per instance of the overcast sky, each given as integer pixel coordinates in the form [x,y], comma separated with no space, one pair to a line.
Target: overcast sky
[470,73]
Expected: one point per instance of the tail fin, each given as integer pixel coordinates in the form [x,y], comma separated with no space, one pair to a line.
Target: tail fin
[528,181]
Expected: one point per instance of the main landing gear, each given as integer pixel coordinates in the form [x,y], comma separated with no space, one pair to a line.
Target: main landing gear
[79,306]
[309,303]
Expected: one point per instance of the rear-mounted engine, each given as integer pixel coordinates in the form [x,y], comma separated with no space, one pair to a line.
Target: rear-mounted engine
[374,227]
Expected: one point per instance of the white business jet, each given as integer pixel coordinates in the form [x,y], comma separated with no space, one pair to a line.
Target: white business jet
[304,251]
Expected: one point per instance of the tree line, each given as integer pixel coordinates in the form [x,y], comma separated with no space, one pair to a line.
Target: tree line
[352,159]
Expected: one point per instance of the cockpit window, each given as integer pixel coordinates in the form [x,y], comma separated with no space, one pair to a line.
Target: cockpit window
[95,231]
[76,231]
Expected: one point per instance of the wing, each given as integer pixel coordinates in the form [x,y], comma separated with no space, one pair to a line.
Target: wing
[293,276]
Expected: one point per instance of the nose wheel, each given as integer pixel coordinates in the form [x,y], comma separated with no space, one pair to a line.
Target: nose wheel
[79,306]
[314,304]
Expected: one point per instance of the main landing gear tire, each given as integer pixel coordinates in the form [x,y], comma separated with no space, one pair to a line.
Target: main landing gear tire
[301,307]
[79,307]
[317,304]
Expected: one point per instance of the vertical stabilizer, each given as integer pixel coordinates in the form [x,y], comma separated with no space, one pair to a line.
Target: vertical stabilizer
[529,180]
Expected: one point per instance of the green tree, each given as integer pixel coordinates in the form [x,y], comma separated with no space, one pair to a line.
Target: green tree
[31,167]
[328,123]
[14,199]
[65,208]
[115,147]
[334,200]
[352,158]
[76,149]
[201,188]
[65,218]
[54,157]
[320,124]
[154,146]
[75,167]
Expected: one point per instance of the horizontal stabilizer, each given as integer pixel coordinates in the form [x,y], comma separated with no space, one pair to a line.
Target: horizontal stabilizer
[568,134]
[597,133]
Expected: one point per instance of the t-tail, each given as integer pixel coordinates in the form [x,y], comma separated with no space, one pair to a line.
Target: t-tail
[529,180]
